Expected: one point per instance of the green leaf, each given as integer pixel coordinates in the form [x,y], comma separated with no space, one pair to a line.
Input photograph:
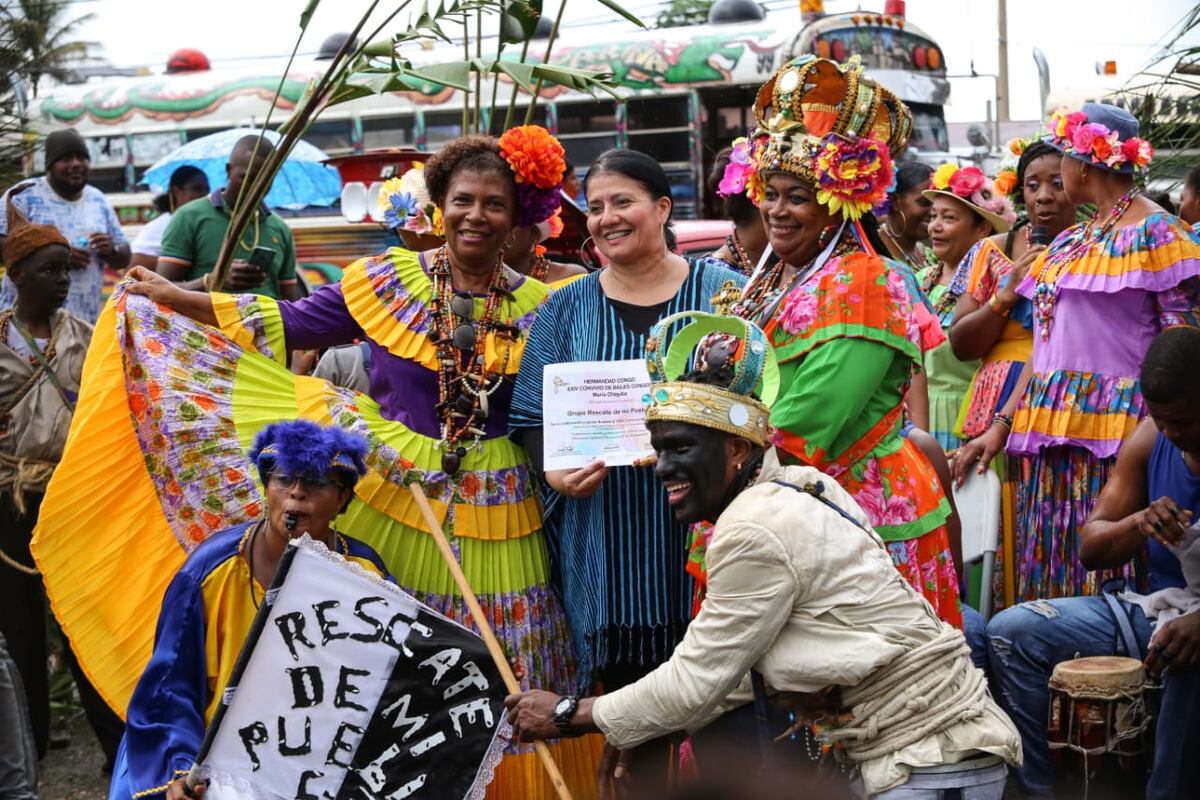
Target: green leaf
[612,6]
[306,15]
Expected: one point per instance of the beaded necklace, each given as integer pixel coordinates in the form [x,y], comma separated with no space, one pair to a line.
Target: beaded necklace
[741,257]
[539,268]
[762,293]
[948,299]
[464,384]
[1045,292]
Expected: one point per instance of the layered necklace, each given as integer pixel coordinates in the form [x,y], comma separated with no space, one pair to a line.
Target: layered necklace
[761,295]
[741,259]
[464,384]
[1073,246]
[539,267]
[946,302]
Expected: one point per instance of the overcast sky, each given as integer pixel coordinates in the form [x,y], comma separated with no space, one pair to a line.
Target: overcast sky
[1073,35]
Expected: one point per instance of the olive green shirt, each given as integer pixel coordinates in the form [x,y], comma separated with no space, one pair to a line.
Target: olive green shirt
[197,230]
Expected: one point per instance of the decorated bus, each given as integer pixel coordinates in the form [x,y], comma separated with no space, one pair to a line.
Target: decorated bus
[683,94]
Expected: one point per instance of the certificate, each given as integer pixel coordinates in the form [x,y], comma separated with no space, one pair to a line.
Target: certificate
[593,410]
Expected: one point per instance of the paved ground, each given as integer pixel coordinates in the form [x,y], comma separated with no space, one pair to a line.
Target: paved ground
[73,773]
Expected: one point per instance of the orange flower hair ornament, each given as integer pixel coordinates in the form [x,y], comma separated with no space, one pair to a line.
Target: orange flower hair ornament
[538,162]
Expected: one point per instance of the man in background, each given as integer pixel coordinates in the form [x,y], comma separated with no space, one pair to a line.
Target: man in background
[192,241]
[63,199]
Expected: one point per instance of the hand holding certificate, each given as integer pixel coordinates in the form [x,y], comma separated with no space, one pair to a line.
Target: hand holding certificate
[593,411]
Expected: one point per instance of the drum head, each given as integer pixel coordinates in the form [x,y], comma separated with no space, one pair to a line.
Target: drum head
[1099,675]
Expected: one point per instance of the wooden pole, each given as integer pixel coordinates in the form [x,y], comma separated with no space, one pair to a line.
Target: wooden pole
[485,629]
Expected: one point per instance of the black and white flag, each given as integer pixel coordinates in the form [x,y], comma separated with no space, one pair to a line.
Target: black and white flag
[347,687]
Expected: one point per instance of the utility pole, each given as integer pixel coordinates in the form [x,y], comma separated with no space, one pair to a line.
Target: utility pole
[1002,72]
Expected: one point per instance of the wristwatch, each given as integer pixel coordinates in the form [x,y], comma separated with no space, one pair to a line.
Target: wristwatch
[564,709]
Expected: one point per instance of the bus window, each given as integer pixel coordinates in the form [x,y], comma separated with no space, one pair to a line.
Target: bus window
[192,134]
[929,128]
[657,113]
[586,129]
[331,136]
[441,127]
[665,148]
[497,120]
[599,117]
[387,132]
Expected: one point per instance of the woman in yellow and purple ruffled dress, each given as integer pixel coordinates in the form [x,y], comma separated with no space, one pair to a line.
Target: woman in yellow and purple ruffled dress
[1100,293]
[201,374]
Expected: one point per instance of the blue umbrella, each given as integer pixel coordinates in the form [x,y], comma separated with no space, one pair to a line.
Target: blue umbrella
[302,181]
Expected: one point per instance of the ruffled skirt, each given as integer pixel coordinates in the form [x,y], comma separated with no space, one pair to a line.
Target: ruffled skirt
[156,462]
[1057,491]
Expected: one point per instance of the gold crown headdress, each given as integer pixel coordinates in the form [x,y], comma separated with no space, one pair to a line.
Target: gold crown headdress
[833,126]
[731,409]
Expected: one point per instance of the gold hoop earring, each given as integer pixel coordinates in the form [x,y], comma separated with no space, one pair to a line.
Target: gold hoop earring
[903,224]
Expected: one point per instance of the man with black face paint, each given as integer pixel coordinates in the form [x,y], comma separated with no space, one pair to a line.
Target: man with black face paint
[804,609]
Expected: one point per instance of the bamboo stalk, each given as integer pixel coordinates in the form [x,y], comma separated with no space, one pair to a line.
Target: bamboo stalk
[478,74]
[240,216]
[512,99]
[466,113]
[485,629]
[537,89]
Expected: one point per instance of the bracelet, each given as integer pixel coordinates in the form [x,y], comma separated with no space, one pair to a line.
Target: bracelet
[206,281]
[1004,420]
[998,307]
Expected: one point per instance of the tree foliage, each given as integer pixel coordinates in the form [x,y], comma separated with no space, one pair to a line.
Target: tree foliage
[36,41]
[1165,97]
[683,12]
[42,34]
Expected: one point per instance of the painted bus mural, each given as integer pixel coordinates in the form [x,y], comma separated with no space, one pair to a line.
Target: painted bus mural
[685,93]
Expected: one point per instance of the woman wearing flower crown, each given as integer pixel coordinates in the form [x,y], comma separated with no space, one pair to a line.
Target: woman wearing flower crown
[993,323]
[839,318]
[743,247]
[966,209]
[446,331]
[1100,293]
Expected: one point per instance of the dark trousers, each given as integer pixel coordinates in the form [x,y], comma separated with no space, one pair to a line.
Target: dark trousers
[23,623]
[23,612]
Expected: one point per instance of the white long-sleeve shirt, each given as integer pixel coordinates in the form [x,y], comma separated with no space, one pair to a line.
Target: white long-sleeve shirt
[810,601]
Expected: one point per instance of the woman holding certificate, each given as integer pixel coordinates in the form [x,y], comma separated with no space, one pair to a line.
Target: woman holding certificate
[446,329]
[840,319]
[618,549]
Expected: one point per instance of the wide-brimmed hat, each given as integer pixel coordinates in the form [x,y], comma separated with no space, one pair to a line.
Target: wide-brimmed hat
[969,186]
[1100,135]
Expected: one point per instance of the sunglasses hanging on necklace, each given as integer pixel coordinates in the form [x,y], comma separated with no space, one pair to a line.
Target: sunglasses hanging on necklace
[464,380]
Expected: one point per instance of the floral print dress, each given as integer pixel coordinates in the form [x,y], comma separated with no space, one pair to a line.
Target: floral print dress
[847,342]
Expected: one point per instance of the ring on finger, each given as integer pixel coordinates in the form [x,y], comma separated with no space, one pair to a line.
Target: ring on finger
[1158,526]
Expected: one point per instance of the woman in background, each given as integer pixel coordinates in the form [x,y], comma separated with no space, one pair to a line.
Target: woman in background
[187,183]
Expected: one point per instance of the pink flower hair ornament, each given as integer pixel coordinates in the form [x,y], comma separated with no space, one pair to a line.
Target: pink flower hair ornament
[1102,135]
[972,187]
[737,171]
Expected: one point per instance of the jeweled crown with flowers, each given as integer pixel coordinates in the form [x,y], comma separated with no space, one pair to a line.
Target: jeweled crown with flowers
[833,126]
[1071,131]
[730,409]
[972,185]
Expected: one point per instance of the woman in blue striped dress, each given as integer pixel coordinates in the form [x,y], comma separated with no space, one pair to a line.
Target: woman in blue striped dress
[617,551]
